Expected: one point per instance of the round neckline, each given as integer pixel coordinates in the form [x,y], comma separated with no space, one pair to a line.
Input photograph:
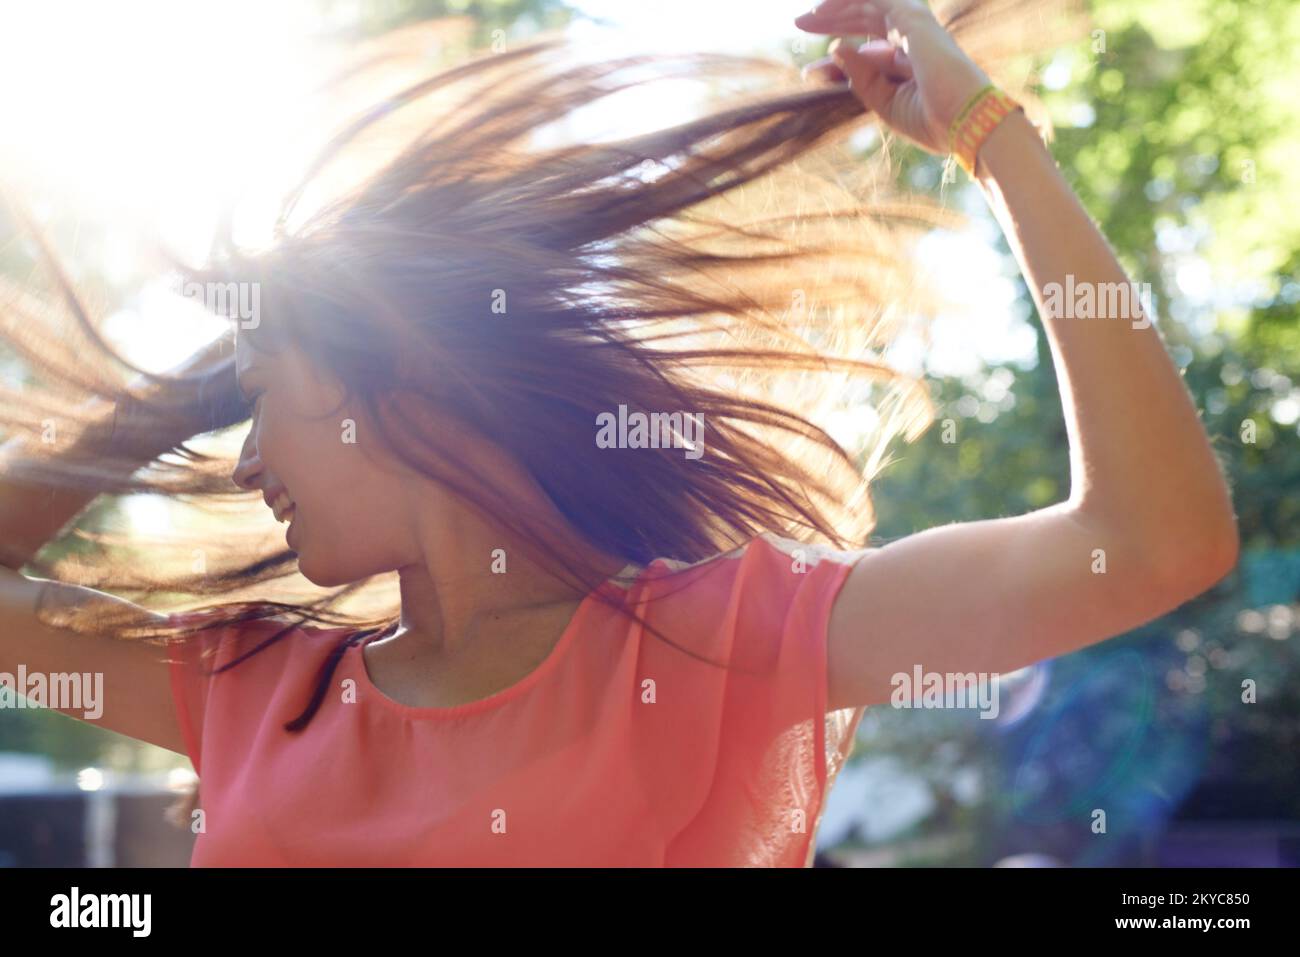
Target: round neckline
[434,712]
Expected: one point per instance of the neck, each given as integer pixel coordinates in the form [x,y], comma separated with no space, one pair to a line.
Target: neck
[486,580]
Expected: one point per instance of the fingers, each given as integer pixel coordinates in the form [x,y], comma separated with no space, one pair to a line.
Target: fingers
[872,70]
[901,14]
[823,69]
[930,51]
[852,18]
[897,67]
[844,17]
[895,62]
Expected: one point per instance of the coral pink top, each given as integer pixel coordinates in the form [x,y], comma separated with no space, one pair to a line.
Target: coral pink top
[617,751]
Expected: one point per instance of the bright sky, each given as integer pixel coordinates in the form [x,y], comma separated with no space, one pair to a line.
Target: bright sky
[967,267]
[146,115]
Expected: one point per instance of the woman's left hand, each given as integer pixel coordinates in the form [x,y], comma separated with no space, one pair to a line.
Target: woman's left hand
[914,77]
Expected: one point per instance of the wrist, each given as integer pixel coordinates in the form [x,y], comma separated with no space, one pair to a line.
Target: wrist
[1008,140]
[982,113]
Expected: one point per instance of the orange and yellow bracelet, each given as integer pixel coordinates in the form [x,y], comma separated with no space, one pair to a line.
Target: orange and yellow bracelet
[977,119]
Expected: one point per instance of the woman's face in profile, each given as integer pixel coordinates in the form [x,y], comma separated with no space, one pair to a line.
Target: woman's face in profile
[310,453]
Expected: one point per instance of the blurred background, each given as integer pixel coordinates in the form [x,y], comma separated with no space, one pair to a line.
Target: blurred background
[1176,122]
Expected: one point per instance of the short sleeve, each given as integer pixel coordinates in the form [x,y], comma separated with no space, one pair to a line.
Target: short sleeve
[192,659]
[801,749]
[778,751]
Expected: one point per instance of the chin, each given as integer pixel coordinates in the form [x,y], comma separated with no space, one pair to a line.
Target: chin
[329,576]
[310,572]
[321,580]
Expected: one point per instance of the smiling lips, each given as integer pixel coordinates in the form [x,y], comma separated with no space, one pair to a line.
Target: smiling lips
[282,506]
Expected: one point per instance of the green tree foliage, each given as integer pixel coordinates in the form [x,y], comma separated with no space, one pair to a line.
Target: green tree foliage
[1176,128]
[1176,124]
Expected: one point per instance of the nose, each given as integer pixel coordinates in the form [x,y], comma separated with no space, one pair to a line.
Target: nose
[249,467]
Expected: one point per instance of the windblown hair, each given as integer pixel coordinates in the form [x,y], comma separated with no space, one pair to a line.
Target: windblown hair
[728,267]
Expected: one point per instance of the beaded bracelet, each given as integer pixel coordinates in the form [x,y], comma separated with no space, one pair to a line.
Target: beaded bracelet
[977,119]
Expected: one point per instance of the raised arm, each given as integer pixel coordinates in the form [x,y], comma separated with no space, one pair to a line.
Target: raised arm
[31,513]
[136,692]
[1149,521]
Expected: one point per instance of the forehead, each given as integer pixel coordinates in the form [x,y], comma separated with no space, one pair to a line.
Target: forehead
[268,356]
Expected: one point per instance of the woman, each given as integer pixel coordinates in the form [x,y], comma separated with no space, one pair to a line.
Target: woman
[617,644]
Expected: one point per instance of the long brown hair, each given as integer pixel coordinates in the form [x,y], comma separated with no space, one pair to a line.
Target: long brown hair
[742,267]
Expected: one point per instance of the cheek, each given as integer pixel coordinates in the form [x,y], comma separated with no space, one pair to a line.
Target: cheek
[335,477]
[352,518]
[318,463]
